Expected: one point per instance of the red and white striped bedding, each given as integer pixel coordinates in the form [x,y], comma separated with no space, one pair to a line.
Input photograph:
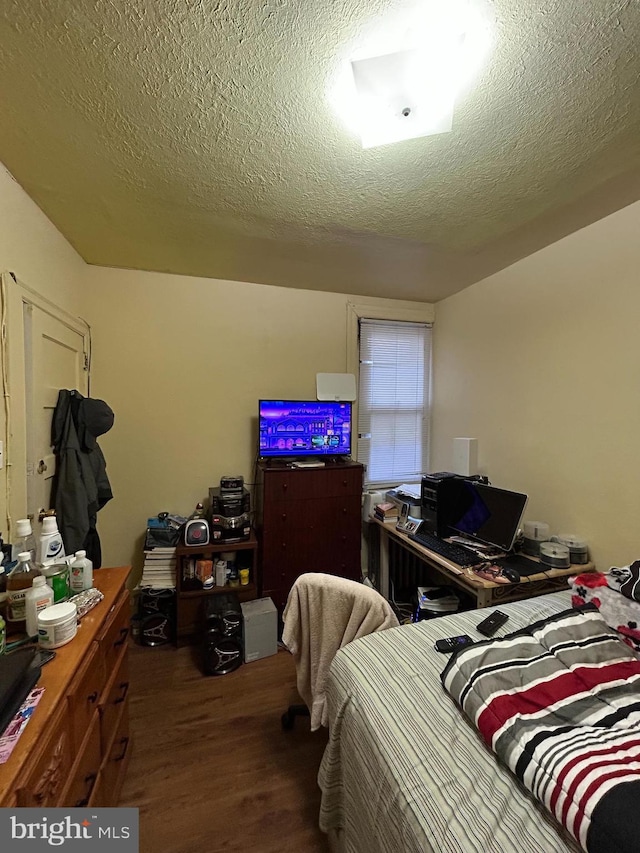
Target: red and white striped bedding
[559,703]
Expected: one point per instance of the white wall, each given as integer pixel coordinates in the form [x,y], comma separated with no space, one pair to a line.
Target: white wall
[541,362]
[38,254]
[183,362]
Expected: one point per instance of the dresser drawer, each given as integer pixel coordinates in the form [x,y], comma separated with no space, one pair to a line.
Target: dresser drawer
[84,695]
[43,784]
[114,637]
[115,763]
[299,485]
[115,697]
[84,772]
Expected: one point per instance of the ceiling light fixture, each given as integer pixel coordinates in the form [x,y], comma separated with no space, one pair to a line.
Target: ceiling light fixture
[401,81]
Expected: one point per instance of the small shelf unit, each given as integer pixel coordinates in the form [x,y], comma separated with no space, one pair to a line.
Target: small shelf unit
[190,603]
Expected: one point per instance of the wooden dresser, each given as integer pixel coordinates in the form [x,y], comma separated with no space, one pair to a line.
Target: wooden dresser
[75,749]
[308,520]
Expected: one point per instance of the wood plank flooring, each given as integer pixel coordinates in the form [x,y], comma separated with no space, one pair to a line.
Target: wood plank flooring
[211,769]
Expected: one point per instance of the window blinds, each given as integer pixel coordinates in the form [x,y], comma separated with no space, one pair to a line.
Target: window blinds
[394,400]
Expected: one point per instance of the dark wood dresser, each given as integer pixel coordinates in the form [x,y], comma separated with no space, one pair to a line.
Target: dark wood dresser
[307,520]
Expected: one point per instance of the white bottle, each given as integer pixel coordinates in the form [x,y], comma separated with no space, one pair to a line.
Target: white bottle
[50,546]
[24,540]
[36,599]
[81,573]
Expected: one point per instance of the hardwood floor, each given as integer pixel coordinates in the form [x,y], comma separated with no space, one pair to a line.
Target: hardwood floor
[211,769]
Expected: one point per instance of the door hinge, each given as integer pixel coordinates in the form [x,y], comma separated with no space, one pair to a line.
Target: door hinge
[86,361]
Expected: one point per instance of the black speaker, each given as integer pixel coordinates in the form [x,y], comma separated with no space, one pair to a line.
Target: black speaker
[222,648]
[156,608]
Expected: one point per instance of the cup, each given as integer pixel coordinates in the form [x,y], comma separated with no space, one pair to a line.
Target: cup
[244,577]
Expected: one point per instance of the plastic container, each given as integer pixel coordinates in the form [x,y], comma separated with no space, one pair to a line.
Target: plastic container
[50,546]
[37,598]
[81,573]
[221,573]
[534,532]
[244,577]
[19,581]
[578,548]
[57,625]
[24,541]
[57,576]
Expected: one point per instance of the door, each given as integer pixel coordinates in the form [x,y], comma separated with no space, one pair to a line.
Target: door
[54,358]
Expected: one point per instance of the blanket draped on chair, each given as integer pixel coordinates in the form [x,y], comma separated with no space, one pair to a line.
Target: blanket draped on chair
[323,614]
[559,703]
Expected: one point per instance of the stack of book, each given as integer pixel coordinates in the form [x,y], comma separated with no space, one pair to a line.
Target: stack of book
[159,570]
[386,511]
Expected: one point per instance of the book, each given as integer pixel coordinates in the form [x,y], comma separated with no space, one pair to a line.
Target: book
[387,510]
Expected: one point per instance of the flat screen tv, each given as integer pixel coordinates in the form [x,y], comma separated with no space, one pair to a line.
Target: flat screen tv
[488,514]
[301,428]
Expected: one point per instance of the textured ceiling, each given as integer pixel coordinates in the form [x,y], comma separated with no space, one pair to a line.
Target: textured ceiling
[196,137]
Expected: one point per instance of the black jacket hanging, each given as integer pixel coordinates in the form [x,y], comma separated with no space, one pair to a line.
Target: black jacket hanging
[80,486]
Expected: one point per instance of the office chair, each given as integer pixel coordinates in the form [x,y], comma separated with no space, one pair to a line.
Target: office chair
[322,614]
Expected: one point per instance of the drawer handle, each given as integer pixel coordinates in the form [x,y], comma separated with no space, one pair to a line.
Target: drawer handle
[124,686]
[125,743]
[123,636]
[88,781]
[92,697]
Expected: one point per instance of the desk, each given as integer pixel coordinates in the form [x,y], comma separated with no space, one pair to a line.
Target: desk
[485,593]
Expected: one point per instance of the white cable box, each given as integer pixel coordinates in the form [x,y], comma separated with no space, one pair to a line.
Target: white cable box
[308,463]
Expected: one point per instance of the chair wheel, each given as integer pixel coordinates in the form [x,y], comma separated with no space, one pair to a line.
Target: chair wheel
[287,721]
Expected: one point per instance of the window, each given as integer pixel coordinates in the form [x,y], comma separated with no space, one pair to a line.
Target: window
[394,400]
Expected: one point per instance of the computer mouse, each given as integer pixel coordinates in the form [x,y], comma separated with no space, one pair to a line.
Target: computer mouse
[511,574]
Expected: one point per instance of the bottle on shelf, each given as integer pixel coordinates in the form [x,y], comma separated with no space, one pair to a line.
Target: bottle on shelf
[81,573]
[50,545]
[36,599]
[24,541]
[19,581]
[198,511]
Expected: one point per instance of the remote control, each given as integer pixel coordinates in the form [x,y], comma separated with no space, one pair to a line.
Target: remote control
[451,644]
[490,625]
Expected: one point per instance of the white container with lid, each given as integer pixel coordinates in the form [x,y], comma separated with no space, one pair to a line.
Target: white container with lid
[50,545]
[534,532]
[57,625]
[578,548]
[37,599]
[81,572]
[555,555]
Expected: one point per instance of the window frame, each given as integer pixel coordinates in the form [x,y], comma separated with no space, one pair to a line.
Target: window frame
[378,309]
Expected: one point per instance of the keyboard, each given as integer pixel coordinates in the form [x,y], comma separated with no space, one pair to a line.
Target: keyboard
[456,553]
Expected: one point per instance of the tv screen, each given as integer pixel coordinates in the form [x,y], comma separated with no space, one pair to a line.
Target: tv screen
[304,428]
[489,515]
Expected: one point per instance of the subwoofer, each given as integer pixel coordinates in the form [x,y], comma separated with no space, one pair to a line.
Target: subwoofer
[222,648]
[156,608]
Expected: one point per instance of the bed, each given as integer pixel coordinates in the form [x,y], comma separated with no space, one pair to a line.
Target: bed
[404,771]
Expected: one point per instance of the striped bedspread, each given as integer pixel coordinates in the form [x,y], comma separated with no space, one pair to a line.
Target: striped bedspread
[404,771]
[559,703]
